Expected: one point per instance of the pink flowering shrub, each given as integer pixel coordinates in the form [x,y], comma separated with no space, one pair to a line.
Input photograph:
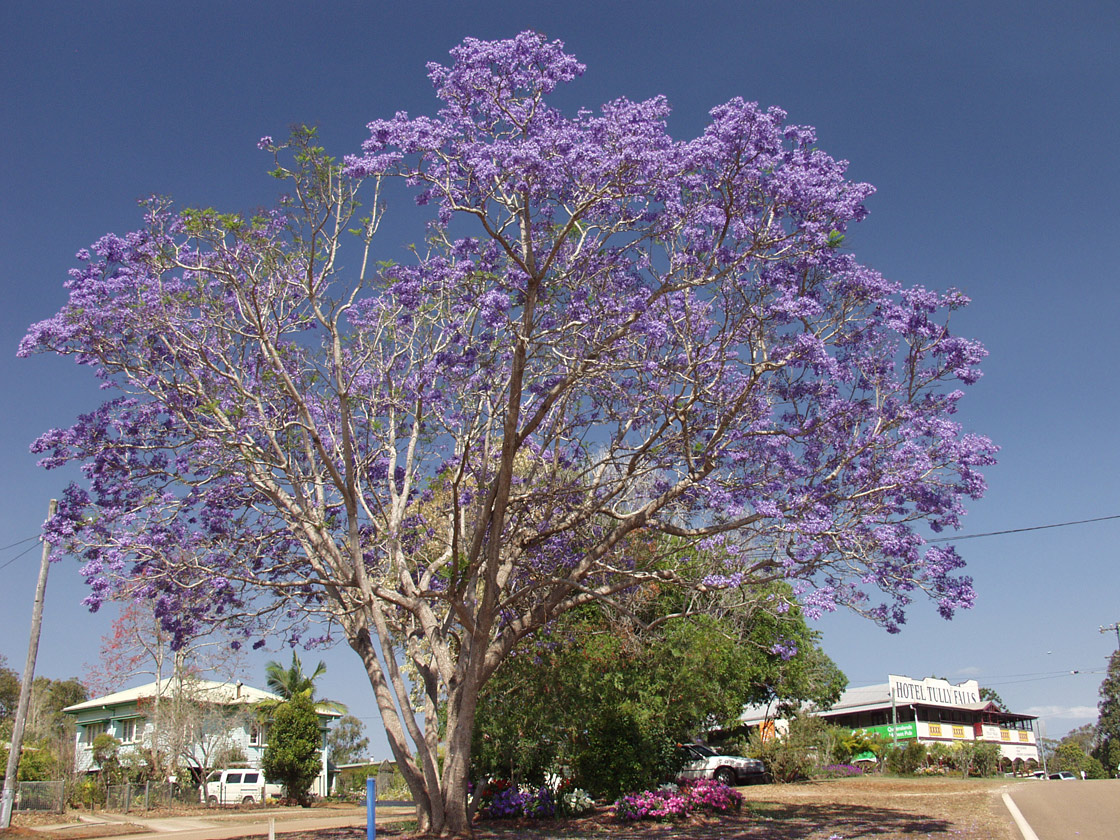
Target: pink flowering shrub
[710,795]
[667,804]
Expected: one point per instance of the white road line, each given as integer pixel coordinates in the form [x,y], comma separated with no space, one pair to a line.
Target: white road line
[1024,826]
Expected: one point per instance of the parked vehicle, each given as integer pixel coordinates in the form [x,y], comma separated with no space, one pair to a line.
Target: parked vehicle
[702,762]
[241,785]
[1064,776]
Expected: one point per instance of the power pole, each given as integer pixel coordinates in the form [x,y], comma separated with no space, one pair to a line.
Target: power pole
[11,777]
[1110,628]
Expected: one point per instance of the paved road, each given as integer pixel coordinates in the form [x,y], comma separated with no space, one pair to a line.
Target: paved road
[241,824]
[1087,810]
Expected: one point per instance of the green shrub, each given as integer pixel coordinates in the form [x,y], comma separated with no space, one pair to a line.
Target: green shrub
[905,760]
[292,755]
[807,745]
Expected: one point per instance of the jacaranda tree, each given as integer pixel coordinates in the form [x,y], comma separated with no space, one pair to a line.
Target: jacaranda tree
[610,345]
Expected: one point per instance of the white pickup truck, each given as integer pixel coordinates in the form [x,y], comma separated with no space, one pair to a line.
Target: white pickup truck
[238,786]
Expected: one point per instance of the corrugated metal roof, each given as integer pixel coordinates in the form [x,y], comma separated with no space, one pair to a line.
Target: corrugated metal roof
[227,694]
[867,698]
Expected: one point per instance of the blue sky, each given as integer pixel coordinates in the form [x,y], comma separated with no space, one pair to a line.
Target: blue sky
[990,130]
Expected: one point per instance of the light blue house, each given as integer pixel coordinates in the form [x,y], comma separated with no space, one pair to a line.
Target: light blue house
[201,721]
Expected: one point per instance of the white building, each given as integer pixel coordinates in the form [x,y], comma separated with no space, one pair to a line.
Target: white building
[930,711]
[213,719]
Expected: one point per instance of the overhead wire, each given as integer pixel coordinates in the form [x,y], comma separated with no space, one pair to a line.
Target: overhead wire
[1024,530]
[20,542]
[27,550]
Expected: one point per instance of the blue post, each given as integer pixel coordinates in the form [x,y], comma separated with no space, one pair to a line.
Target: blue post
[371,808]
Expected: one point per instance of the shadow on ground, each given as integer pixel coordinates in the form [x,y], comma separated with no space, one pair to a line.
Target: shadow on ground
[771,821]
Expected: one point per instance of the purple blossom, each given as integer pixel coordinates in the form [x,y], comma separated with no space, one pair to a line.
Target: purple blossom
[621,359]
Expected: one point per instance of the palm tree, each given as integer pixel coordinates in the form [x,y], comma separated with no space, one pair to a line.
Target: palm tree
[291,681]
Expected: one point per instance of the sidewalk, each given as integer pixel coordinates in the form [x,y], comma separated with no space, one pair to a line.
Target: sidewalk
[225,826]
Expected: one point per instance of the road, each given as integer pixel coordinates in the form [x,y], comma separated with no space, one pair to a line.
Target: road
[1087,810]
[223,826]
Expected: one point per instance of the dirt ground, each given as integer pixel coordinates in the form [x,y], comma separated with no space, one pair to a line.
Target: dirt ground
[842,809]
[869,808]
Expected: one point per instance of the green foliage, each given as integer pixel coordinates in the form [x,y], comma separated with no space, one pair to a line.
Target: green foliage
[390,783]
[106,754]
[37,762]
[48,698]
[602,704]
[623,752]
[985,760]
[975,758]
[603,692]
[906,758]
[971,757]
[1109,757]
[1084,736]
[853,744]
[807,745]
[989,695]
[292,756]
[346,740]
[1108,722]
[89,793]
[939,754]
[1072,757]
[291,681]
[9,691]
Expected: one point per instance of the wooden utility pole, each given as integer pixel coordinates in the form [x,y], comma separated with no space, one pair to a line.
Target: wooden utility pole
[1110,628]
[11,777]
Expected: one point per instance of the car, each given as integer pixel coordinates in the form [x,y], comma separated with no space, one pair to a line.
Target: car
[238,785]
[704,762]
[1064,776]
[1038,774]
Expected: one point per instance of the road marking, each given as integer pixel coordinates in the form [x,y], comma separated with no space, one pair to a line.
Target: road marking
[1024,826]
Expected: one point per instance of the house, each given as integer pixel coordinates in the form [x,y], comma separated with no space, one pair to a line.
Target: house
[929,711]
[206,724]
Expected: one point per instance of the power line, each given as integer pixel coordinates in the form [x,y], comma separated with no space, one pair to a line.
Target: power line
[27,550]
[1075,672]
[20,542]
[1023,530]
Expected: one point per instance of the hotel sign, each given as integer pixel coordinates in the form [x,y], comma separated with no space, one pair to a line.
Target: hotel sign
[933,692]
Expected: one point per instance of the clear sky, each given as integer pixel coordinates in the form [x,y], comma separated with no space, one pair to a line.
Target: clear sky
[989,128]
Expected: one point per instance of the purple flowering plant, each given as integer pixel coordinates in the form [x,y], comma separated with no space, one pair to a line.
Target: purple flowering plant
[840,771]
[616,349]
[501,799]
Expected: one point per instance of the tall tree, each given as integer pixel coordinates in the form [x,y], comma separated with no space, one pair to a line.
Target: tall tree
[1108,722]
[610,700]
[990,695]
[292,682]
[608,336]
[9,690]
[292,755]
[347,741]
[139,644]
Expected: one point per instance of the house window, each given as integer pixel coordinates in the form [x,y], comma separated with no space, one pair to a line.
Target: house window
[258,735]
[92,730]
[128,730]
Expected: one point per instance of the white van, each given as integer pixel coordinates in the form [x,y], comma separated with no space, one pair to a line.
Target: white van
[245,785]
